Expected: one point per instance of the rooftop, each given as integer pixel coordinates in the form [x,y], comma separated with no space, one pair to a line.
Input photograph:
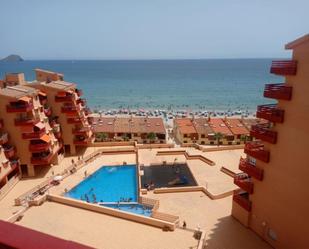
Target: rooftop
[185,125]
[218,125]
[236,126]
[18,91]
[47,72]
[128,125]
[61,85]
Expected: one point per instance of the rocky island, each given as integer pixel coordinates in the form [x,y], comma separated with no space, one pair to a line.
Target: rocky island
[12,57]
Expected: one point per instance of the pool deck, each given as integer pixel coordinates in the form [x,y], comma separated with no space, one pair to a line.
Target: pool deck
[210,177]
[104,231]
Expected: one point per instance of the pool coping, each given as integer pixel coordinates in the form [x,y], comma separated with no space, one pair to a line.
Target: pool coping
[113,212]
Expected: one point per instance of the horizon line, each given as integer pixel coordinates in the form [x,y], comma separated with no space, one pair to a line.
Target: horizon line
[154,59]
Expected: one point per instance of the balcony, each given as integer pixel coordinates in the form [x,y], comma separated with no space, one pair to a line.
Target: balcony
[264,133]
[25,121]
[4,138]
[70,110]
[250,169]
[64,97]
[42,159]
[271,113]
[84,141]
[278,91]
[79,92]
[34,134]
[90,120]
[47,111]
[284,67]
[87,111]
[244,182]
[81,131]
[14,163]
[19,107]
[39,147]
[9,151]
[74,120]
[256,150]
[83,102]
[242,199]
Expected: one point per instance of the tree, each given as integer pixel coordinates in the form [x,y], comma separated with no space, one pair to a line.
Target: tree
[244,138]
[125,137]
[151,136]
[218,136]
[101,136]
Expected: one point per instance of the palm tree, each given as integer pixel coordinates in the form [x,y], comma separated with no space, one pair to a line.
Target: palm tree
[218,136]
[125,137]
[243,137]
[101,136]
[151,136]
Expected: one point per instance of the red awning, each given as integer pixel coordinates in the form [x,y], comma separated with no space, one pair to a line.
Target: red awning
[15,236]
[45,138]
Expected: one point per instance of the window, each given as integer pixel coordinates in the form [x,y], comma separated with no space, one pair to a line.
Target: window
[185,141]
[203,136]
[185,135]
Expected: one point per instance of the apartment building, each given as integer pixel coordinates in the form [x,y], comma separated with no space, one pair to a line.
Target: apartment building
[203,130]
[9,163]
[139,129]
[26,123]
[68,109]
[273,199]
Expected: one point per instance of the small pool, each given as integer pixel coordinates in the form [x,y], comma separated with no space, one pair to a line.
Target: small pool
[111,184]
[132,208]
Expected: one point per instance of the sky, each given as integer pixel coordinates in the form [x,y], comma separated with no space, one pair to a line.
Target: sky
[156,29]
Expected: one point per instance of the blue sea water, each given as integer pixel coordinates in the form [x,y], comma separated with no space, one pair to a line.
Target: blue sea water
[210,84]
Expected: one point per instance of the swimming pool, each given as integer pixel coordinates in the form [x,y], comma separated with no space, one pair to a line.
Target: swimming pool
[132,208]
[108,184]
[111,184]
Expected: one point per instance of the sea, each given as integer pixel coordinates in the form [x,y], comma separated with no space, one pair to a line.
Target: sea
[189,85]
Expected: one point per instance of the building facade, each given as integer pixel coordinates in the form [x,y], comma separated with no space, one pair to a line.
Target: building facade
[140,130]
[68,108]
[273,199]
[203,130]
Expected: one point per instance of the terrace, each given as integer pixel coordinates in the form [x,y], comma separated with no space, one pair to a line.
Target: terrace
[64,97]
[242,198]
[264,133]
[250,169]
[270,112]
[25,121]
[103,230]
[37,132]
[284,67]
[41,158]
[9,150]
[278,91]
[244,182]
[19,106]
[256,150]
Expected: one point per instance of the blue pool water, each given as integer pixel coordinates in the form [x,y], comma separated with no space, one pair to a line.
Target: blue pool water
[132,208]
[111,184]
[108,184]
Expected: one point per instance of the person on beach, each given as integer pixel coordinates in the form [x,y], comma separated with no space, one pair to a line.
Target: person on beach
[85,173]
[184,225]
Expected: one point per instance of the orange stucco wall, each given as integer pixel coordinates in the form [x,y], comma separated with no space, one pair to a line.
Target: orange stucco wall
[280,203]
